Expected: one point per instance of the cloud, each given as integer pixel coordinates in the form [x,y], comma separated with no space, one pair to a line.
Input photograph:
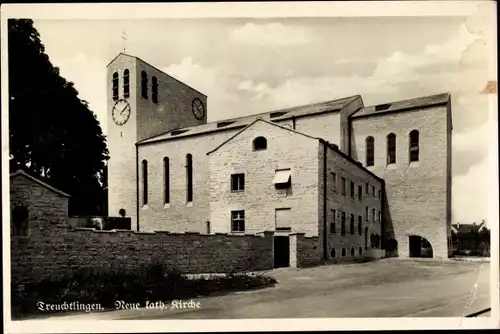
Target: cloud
[270,34]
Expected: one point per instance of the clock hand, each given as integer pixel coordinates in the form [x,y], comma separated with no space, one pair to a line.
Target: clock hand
[121,112]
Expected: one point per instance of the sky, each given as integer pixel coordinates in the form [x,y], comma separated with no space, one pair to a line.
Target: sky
[250,65]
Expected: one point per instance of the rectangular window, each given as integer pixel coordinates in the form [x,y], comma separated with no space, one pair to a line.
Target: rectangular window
[334,181]
[189,177]
[367,214]
[360,225]
[144,182]
[379,216]
[166,177]
[333,228]
[343,189]
[282,218]
[238,221]
[352,189]
[373,215]
[352,224]
[342,227]
[360,193]
[282,178]
[237,182]
[367,189]
[380,194]
[374,193]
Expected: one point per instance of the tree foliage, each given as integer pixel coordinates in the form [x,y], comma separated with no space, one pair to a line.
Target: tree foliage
[52,132]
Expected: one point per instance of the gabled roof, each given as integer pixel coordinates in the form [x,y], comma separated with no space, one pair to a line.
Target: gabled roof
[405,105]
[249,125]
[40,182]
[466,228]
[241,122]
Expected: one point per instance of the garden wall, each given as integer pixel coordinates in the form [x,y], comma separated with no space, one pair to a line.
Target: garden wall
[54,250]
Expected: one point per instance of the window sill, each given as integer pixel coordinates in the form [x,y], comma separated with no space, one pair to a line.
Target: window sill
[145,207]
[189,204]
[391,166]
[166,205]
[237,191]
[238,232]
[414,164]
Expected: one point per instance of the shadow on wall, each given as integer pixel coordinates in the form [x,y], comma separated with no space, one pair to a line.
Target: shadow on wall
[389,241]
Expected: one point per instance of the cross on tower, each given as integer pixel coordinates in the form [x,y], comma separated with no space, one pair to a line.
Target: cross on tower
[124,37]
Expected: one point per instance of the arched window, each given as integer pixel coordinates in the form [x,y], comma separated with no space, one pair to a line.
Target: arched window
[126,83]
[144,182]
[166,178]
[414,146]
[391,148]
[20,221]
[370,151]
[154,89]
[352,251]
[115,86]
[259,143]
[144,84]
[189,177]
[343,251]
[332,253]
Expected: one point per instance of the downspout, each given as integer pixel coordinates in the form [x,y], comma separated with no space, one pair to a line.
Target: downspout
[293,122]
[137,183]
[325,244]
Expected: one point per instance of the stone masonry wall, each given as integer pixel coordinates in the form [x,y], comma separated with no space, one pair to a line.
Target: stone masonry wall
[351,204]
[418,193]
[53,250]
[42,203]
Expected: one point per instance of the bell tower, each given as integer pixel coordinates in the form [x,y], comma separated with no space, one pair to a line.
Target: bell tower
[142,102]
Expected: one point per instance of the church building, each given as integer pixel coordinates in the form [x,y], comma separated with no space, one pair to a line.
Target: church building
[363,180]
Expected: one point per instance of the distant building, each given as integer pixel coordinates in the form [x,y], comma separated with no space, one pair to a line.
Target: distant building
[467,228]
[360,179]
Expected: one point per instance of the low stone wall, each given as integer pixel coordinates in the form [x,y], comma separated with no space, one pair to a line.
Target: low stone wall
[305,251]
[53,250]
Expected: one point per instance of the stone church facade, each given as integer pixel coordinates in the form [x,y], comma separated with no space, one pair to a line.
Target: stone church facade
[361,180]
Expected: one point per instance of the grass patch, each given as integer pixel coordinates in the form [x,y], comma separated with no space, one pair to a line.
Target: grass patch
[153,283]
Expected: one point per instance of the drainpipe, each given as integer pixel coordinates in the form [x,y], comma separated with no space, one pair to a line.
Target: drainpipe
[137,183]
[293,122]
[325,244]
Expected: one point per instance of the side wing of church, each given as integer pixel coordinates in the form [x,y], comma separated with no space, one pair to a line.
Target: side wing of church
[357,179]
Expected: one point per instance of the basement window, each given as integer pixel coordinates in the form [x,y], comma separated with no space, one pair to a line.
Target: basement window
[282,178]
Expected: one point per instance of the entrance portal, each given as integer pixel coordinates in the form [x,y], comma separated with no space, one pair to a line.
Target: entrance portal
[281,251]
[419,246]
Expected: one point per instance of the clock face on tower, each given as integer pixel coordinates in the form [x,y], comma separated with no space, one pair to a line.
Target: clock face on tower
[121,112]
[198,109]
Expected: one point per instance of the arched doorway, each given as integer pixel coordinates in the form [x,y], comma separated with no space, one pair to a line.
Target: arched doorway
[419,246]
[20,221]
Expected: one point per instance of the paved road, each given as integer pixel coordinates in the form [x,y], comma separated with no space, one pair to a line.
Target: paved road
[386,288]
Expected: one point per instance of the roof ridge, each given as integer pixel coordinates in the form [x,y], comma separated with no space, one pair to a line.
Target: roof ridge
[45,184]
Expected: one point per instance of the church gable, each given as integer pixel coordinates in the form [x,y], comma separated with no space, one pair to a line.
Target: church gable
[257,135]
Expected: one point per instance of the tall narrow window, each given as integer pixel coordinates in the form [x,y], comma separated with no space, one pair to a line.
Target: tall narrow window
[166,178]
[20,221]
[366,214]
[189,177]
[414,146]
[370,151]
[154,89]
[334,181]
[343,185]
[115,86]
[360,225]
[373,215]
[391,148]
[144,182]
[333,228]
[352,190]
[360,193]
[351,225]
[144,85]
[126,83]
[342,223]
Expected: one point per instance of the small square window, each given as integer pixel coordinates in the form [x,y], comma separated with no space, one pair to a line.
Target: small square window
[237,182]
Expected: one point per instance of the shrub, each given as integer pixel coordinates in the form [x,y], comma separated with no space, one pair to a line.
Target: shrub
[154,282]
